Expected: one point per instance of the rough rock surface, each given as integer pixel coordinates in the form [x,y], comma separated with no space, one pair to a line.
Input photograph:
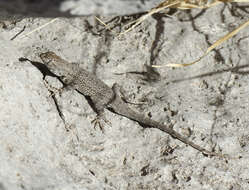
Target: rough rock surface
[208,102]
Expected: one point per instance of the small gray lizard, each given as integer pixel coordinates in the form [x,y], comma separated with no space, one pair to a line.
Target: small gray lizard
[102,96]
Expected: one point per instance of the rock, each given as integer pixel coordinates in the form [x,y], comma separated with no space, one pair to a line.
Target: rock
[55,8]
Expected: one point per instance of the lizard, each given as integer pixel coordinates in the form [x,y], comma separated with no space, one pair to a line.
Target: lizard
[104,97]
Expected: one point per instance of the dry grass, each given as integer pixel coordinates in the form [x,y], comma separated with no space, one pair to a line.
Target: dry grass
[189,4]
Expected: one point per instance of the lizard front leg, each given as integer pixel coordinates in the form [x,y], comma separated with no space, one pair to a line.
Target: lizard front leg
[53,90]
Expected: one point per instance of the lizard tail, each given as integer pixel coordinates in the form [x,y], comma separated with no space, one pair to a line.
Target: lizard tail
[147,122]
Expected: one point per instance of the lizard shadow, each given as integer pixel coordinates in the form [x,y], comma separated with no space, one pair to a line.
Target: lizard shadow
[41,67]
[89,101]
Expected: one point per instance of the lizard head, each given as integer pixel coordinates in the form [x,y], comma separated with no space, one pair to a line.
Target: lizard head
[57,65]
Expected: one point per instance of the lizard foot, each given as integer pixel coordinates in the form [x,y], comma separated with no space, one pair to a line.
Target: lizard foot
[98,121]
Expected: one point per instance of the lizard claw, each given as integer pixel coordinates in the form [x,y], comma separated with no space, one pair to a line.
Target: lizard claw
[97,121]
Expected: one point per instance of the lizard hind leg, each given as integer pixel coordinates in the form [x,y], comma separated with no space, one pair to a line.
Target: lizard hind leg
[118,90]
[98,107]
